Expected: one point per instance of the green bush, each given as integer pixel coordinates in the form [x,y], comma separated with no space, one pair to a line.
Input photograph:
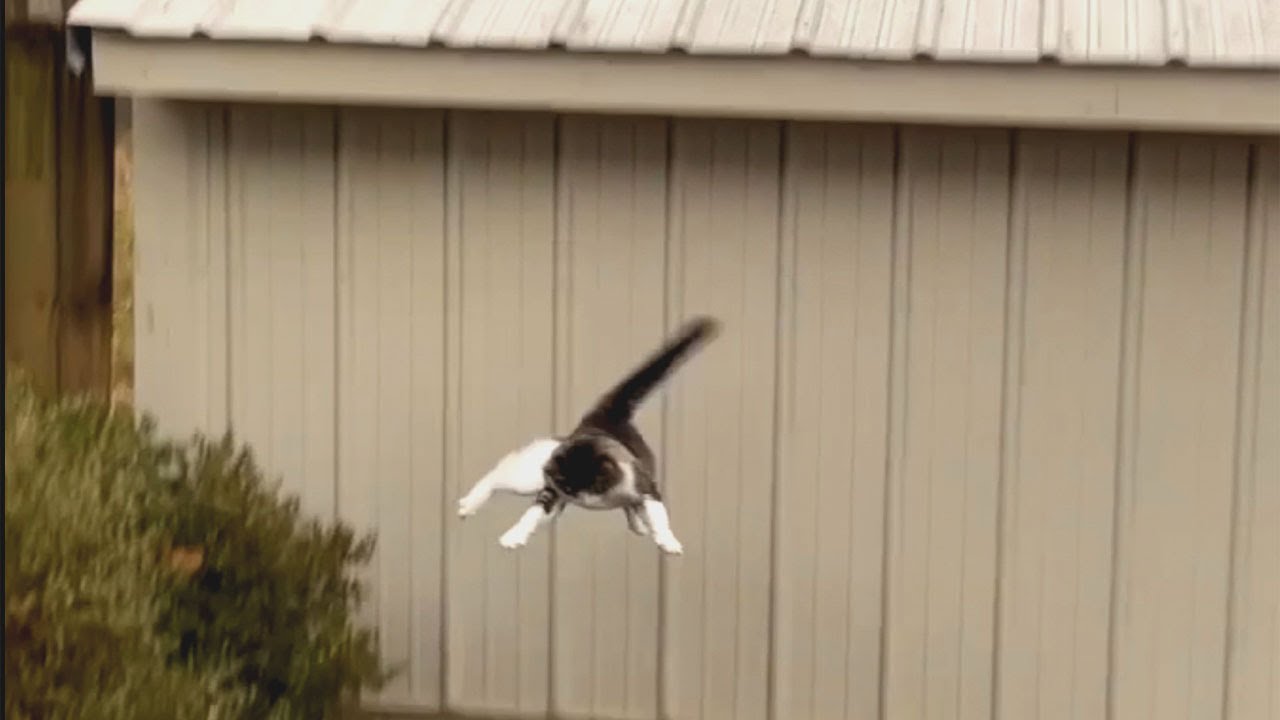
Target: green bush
[83,572]
[146,579]
[273,591]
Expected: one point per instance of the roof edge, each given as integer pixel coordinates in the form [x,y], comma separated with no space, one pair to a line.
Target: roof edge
[785,87]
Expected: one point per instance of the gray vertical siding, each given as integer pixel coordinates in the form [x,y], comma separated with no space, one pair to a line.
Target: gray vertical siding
[1064,347]
[834,348]
[611,240]
[1178,435]
[500,373]
[993,429]
[387,274]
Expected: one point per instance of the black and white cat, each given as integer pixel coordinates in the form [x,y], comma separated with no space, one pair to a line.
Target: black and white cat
[604,464]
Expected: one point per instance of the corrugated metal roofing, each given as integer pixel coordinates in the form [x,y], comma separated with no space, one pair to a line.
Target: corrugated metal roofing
[1239,33]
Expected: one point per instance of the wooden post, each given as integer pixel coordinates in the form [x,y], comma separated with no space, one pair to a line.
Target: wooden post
[85,180]
[31,202]
[58,213]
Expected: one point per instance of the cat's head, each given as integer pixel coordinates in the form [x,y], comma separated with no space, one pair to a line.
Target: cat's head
[583,464]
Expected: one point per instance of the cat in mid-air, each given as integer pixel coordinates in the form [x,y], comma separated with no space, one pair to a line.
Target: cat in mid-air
[604,464]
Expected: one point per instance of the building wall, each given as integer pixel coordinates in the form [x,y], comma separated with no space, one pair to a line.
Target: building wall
[992,427]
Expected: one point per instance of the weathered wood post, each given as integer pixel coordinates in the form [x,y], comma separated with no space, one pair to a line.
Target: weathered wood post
[58,206]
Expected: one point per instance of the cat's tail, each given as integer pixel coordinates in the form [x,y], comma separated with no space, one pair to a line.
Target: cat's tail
[618,405]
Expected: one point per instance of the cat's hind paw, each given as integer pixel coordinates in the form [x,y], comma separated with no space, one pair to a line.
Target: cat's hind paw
[513,539]
[670,545]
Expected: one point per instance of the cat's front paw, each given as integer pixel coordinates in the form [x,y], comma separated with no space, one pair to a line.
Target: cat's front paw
[513,538]
[468,506]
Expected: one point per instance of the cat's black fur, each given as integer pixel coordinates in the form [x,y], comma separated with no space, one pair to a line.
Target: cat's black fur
[587,468]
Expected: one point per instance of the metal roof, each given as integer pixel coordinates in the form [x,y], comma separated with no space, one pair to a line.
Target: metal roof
[1201,33]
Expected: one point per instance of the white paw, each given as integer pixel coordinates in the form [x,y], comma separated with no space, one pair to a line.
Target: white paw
[513,538]
[468,506]
[670,545]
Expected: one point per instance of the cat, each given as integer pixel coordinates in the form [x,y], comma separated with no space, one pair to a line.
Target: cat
[604,464]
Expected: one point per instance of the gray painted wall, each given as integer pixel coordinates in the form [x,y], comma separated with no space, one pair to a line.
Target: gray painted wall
[994,425]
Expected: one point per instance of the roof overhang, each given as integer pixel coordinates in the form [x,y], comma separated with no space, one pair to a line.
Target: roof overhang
[787,87]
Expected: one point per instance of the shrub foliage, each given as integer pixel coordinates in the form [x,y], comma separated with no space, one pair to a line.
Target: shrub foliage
[148,579]
[272,590]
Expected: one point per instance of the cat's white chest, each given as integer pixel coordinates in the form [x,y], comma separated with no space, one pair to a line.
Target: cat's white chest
[615,498]
[592,501]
